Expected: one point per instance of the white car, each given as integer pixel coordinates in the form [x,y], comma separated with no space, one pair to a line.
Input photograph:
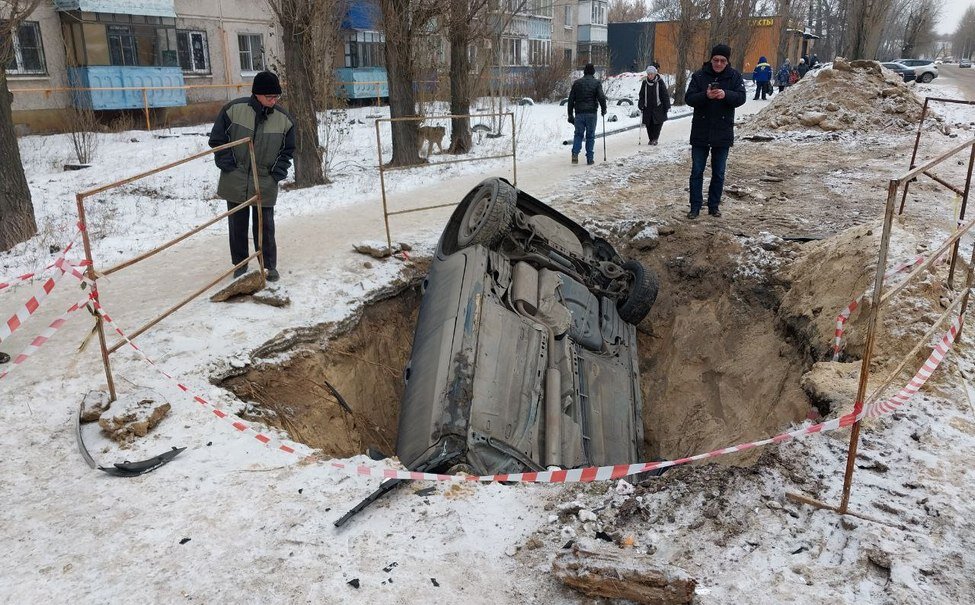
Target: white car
[924,69]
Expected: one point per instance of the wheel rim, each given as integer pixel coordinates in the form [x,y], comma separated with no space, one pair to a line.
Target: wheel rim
[474,217]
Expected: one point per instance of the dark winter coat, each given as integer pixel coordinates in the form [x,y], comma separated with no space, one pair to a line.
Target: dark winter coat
[586,96]
[654,113]
[783,75]
[713,123]
[763,71]
[802,69]
[273,133]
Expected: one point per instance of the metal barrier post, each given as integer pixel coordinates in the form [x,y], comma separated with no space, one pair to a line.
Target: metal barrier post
[878,289]
[99,324]
[382,185]
[961,217]
[145,107]
[259,244]
[514,153]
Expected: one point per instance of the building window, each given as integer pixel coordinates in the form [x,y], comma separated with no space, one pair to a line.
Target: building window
[511,51]
[28,55]
[365,49]
[539,52]
[568,16]
[122,49]
[251,52]
[542,8]
[193,51]
[598,13]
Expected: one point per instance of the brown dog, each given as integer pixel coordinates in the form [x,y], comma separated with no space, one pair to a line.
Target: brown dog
[431,135]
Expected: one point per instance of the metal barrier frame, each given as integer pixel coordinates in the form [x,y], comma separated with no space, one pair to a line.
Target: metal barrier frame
[94,275]
[383,169]
[880,298]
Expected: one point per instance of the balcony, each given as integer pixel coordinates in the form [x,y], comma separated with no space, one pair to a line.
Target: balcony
[363,82]
[129,77]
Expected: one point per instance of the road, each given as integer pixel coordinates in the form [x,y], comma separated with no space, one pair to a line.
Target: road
[963,79]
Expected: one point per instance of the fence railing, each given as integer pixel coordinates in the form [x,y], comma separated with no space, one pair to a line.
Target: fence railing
[383,169]
[882,298]
[94,274]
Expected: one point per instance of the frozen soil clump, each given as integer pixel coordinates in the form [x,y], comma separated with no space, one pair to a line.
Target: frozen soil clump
[852,95]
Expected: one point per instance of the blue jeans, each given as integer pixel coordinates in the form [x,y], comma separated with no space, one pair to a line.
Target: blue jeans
[699,158]
[585,126]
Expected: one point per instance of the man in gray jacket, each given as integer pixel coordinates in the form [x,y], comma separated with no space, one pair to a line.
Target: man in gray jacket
[273,133]
[586,94]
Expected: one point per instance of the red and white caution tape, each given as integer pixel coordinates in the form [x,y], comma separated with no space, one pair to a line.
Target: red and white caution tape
[33,303]
[57,263]
[227,417]
[844,315]
[46,335]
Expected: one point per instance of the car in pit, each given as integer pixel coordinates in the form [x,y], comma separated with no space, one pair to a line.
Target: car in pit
[524,354]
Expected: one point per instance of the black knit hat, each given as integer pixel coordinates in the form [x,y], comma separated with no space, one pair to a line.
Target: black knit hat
[589,69]
[266,83]
[722,50]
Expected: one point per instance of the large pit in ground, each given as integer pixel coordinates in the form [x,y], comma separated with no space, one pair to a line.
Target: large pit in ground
[717,367]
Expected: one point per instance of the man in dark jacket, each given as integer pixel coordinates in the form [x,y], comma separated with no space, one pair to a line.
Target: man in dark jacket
[654,103]
[586,94]
[714,92]
[273,133]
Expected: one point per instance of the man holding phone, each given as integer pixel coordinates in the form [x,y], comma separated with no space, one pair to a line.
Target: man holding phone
[714,92]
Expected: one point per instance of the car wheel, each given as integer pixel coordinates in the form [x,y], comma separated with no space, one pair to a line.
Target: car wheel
[642,294]
[925,78]
[487,214]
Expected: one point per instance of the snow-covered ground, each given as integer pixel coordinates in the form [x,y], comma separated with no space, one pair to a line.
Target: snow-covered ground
[231,520]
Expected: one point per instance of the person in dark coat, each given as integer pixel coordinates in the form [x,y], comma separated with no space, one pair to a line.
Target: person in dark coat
[782,76]
[273,133]
[585,97]
[762,76]
[802,68]
[654,103]
[714,92]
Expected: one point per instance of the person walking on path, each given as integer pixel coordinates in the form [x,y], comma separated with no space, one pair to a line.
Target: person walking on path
[762,77]
[273,133]
[654,103]
[714,92]
[782,76]
[584,98]
[802,68]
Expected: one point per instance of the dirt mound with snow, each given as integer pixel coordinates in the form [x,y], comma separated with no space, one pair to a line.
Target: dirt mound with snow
[851,95]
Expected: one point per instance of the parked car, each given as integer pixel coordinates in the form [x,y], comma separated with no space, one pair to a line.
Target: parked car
[965,63]
[924,69]
[906,72]
[525,351]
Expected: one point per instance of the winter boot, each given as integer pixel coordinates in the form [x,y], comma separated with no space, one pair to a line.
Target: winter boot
[575,158]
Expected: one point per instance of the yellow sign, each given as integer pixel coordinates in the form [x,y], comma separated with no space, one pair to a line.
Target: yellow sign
[764,22]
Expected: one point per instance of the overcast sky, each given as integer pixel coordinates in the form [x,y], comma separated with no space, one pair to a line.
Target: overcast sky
[951,14]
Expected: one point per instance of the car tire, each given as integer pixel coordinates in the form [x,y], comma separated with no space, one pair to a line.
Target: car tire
[625,102]
[642,294]
[927,77]
[486,214]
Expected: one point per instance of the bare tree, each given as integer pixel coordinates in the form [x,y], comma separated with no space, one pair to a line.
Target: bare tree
[627,11]
[303,66]
[865,20]
[17,223]
[919,21]
[463,21]
[687,17]
[403,22]
[963,39]
[729,25]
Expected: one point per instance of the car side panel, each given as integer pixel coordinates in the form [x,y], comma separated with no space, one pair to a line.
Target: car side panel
[432,402]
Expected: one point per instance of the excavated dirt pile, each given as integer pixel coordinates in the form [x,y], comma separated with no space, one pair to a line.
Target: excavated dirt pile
[852,95]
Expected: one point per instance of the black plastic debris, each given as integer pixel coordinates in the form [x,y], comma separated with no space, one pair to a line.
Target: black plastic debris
[604,536]
[184,540]
[354,582]
[390,567]
[435,583]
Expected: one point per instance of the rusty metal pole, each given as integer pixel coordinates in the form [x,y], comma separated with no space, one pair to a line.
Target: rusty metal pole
[961,218]
[382,185]
[145,108]
[917,141]
[258,245]
[80,200]
[514,153]
[878,290]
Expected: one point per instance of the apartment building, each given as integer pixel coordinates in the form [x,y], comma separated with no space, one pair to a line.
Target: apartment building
[146,50]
